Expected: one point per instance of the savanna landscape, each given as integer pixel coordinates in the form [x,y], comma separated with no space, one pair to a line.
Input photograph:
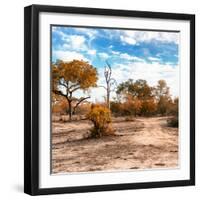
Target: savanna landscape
[104,119]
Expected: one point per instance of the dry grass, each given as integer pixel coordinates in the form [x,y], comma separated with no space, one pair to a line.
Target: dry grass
[142,143]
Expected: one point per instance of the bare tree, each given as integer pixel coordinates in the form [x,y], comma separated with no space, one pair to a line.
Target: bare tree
[110,83]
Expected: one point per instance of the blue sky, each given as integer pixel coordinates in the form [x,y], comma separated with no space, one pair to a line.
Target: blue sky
[148,55]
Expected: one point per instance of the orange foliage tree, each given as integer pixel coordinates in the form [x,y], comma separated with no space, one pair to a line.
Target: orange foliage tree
[132,106]
[69,77]
[149,107]
[138,96]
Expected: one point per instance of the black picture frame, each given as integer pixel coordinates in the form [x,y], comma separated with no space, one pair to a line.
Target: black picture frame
[31,98]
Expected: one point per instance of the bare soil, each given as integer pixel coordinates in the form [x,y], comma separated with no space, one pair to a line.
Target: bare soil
[143,143]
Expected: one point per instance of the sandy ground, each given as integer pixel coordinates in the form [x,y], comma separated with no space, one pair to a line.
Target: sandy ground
[144,143]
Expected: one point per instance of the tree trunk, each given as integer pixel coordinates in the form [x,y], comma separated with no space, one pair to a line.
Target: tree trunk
[108,101]
[70,110]
[108,97]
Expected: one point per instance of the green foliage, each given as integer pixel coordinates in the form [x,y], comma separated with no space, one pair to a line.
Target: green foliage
[125,87]
[139,89]
[101,119]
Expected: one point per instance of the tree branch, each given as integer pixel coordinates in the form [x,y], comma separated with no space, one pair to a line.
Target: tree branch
[102,86]
[74,85]
[75,89]
[63,82]
[80,100]
[58,92]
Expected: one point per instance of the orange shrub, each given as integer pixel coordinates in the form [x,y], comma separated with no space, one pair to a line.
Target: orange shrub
[116,108]
[101,119]
[60,107]
[148,107]
[131,107]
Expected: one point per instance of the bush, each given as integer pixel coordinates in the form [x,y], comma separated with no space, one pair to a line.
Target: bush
[116,108]
[173,122]
[131,107]
[60,107]
[148,107]
[101,119]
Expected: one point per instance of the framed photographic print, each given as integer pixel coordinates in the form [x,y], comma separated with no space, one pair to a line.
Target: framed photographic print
[109,100]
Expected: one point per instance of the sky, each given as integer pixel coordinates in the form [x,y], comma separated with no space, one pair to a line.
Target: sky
[132,54]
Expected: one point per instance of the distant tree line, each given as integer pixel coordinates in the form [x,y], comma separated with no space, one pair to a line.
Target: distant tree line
[133,98]
[139,99]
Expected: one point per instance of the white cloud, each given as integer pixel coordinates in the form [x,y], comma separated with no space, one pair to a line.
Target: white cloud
[134,37]
[110,47]
[126,56]
[75,42]
[59,32]
[152,72]
[115,52]
[54,28]
[128,39]
[69,55]
[154,59]
[103,55]
[91,33]
[129,57]
[92,52]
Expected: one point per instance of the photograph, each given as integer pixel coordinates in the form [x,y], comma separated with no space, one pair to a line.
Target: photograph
[114,99]
[109,99]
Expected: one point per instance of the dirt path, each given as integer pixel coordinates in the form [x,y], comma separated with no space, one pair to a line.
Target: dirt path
[140,144]
[156,132]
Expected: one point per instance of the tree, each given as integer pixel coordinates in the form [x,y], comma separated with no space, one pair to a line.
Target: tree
[69,77]
[138,97]
[139,89]
[110,82]
[132,105]
[173,108]
[163,97]
[148,107]
[174,120]
[162,89]
[124,88]
[59,104]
